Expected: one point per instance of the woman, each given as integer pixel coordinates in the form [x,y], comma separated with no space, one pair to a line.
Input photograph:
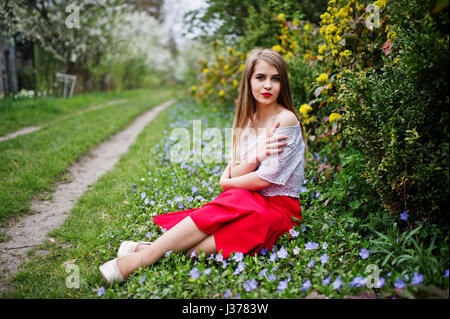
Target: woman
[261,182]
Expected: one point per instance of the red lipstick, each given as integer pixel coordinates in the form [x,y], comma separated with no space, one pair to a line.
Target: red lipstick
[267,95]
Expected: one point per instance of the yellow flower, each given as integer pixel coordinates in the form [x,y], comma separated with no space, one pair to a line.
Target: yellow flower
[305,109]
[226,67]
[295,22]
[306,27]
[193,88]
[223,81]
[345,53]
[235,83]
[380,3]
[322,78]
[322,48]
[221,93]
[281,17]
[278,48]
[241,67]
[288,55]
[205,70]
[334,117]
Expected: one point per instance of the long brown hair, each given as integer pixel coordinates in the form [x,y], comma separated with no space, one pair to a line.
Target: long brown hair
[246,104]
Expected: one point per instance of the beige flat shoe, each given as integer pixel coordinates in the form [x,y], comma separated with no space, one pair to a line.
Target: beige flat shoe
[129,247]
[110,272]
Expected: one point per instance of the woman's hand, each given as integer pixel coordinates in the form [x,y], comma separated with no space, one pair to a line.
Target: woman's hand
[268,145]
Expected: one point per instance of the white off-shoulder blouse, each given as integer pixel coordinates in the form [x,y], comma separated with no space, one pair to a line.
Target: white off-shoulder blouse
[286,169]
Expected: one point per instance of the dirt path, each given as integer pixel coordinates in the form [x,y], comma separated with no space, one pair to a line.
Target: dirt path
[31,230]
[30,129]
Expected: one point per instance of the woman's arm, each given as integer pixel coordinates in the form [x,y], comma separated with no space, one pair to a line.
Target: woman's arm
[250,181]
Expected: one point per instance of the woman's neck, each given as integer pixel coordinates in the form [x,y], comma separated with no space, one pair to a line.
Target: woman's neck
[266,113]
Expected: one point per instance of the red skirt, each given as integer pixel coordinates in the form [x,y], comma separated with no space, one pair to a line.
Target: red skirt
[241,220]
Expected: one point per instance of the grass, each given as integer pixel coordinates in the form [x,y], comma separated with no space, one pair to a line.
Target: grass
[338,218]
[29,164]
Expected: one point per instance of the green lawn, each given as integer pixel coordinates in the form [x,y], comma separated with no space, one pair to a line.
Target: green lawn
[29,164]
[326,254]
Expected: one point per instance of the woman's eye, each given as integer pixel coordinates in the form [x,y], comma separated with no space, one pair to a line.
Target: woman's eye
[276,79]
[260,77]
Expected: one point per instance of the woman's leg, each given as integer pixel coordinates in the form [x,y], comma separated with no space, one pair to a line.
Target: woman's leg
[182,236]
[208,245]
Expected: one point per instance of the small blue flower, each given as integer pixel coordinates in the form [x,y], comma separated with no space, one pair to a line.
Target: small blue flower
[146,201]
[364,253]
[273,257]
[142,280]
[193,254]
[311,245]
[168,253]
[148,235]
[227,294]
[100,291]
[263,251]
[417,279]
[303,229]
[143,195]
[271,277]
[282,253]
[238,256]
[274,268]
[326,281]
[303,189]
[180,205]
[195,273]
[337,283]
[399,283]
[224,264]
[293,233]
[239,269]
[311,263]
[306,285]
[238,296]
[262,273]
[404,215]
[358,282]
[194,189]
[380,282]
[219,257]
[282,285]
[324,246]
[446,273]
[324,258]
[250,285]
[207,271]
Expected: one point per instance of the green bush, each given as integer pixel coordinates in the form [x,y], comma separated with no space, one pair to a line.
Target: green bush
[398,116]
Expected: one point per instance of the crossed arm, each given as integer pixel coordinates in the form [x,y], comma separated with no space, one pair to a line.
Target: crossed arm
[243,175]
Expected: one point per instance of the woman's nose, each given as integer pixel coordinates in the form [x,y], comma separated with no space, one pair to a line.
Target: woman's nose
[267,84]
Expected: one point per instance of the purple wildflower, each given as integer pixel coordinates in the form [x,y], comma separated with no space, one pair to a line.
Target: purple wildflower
[227,294]
[207,271]
[311,263]
[337,283]
[303,229]
[263,251]
[179,198]
[224,264]
[380,282]
[100,291]
[296,250]
[303,189]
[148,235]
[324,258]
[271,277]
[168,253]
[364,253]
[404,215]
[358,282]
[262,273]
[195,273]
[282,285]
[142,280]
[311,245]
[306,285]
[446,273]
[399,283]
[143,195]
[180,205]
[146,201]
[250,285]
[417,279]
[326,281]
[282,253]
[194,189]
[293,233]
[238,256]
[219,257]
[274,268]
[239,268]
[193,254]
[324,246]
[273,257]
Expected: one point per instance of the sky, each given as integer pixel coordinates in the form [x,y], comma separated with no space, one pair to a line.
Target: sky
[174,11]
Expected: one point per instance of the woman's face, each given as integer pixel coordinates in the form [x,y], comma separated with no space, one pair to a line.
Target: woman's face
[265,83]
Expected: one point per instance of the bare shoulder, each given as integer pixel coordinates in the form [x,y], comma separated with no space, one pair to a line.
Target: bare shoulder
[287,118]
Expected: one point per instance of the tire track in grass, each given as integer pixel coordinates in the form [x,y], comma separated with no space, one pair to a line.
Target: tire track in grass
[31,230]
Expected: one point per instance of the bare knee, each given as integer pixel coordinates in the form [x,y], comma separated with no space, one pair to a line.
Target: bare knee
[208,245]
